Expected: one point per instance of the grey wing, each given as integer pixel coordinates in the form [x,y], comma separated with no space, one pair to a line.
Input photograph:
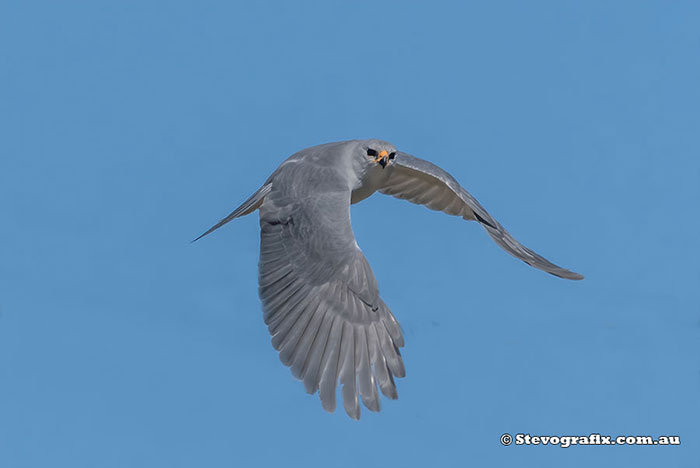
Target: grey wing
[320,299]
[424,183]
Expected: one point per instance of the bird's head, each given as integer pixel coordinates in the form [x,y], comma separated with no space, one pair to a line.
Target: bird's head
[377,153]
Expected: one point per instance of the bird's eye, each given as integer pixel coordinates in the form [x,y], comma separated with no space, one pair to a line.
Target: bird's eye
[392,155]
[371,152]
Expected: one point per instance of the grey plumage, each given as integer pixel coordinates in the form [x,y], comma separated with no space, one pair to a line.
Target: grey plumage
[424,183]
[320,298]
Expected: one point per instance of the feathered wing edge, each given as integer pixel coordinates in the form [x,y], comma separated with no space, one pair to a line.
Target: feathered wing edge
[424,183]
[247,207]
[325,332]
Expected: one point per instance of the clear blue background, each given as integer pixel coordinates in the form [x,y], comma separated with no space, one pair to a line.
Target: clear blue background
[129,127]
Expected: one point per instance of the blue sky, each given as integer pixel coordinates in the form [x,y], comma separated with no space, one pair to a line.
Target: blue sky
[127,128]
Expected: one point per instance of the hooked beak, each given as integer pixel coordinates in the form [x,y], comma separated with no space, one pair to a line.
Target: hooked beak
[382,158]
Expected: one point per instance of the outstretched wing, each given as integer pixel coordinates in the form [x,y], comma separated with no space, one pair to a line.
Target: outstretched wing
[424,183]
[319,295]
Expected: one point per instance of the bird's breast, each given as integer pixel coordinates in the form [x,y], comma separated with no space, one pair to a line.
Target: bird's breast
[372,180]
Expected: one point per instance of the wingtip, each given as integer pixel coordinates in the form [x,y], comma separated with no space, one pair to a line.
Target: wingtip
[212,229]
[195,240]
[570,275]
[354,414]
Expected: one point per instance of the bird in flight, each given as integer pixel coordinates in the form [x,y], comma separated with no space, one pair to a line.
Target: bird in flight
[320,298]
